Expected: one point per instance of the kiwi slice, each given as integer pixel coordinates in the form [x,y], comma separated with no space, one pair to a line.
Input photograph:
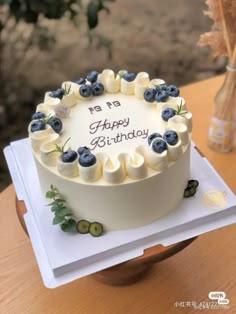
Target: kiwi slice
[96,229]
[193,184]
[189,191]
[83,226]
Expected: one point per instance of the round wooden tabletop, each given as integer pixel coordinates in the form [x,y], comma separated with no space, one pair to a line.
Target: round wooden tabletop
[130,271]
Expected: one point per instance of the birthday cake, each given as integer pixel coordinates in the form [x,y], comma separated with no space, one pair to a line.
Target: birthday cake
[115,147]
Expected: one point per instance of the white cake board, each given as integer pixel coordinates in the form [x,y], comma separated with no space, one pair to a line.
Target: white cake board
[64,257]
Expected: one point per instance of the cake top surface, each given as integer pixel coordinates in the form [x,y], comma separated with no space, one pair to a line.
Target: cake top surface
[110,128]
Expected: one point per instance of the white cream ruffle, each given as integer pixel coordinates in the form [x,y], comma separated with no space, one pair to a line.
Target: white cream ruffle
[113,169]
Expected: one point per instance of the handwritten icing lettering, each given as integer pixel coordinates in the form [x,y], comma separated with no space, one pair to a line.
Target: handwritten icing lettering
[95,108]
[110,105]
[101,141]
[115,103]
[102,125]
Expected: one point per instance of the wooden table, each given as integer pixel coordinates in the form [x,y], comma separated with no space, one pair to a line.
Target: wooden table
[208,264]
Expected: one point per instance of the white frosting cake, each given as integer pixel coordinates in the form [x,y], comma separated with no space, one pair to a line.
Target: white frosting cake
[129,176]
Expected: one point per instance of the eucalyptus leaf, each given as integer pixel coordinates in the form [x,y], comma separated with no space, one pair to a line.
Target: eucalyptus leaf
[57,220]
[51,204]
[50,194]
[61,212]
[69,226]
[56,207]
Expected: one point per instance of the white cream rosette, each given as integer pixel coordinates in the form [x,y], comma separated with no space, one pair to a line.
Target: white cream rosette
[68,169]
[110,81]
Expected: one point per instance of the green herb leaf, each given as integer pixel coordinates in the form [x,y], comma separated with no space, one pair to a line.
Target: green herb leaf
[51,204]
[59,149]
[180,111]
[69,226]
[61,212]
[50,194]
[68,215]
[67,90]
[57,207]
[57,220]
[60,200]
[159,87]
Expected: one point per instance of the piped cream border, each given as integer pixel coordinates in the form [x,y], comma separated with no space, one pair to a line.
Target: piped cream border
[113,171]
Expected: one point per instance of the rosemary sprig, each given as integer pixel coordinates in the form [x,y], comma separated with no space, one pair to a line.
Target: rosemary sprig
[46,119]
[121,74]
[67,90]
[59,149]
[160,87]
[180,111]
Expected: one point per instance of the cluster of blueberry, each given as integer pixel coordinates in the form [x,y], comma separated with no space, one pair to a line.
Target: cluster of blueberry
[40,120]
[159,142]
[161,93]
[58,93]
[86,158]
[89,85]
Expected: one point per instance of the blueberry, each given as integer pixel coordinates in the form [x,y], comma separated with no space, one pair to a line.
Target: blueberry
[85,90]
[92,76]
[152,136]
[189,192]
[69,156]
[80,81]
[129,76]
[168,113]
[149,94]
[161,96]
[38,115]
[172,90]
[193,184]
[171,137]
[37,125]
[56,124]
[87,159]
[159,146]
[58,93]
[83,149]
[97,89]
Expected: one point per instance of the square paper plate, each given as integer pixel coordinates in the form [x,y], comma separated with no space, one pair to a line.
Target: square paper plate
[64,257]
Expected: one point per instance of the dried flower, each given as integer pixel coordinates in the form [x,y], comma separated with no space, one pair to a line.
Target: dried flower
[222,38]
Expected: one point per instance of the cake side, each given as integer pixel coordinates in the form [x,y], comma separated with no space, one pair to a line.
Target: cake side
[123,206]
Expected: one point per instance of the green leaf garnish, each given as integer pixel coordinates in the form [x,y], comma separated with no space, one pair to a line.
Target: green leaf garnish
[63,215]
[57,220]
[180,111]
[59,149]
[62,212]
[121,73]
[46,119]
[69,226]
[67,90]
[160,87]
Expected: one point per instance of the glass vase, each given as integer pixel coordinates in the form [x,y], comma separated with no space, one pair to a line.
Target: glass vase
[223,121]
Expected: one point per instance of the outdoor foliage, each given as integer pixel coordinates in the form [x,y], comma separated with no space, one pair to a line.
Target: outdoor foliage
[30,10]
